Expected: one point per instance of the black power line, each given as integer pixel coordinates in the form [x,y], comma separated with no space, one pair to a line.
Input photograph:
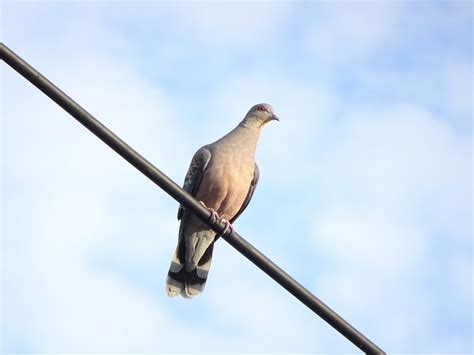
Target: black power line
[163,181]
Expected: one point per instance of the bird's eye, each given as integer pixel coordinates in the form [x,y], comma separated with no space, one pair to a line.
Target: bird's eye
[261,108]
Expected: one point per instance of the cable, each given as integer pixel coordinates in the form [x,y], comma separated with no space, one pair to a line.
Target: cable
[185,199]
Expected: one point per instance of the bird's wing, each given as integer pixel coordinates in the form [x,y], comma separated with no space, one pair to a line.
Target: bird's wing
[252,187]
[180,281]
[193,177]
[192,181]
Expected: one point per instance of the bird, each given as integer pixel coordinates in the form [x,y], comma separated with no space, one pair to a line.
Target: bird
[222,176]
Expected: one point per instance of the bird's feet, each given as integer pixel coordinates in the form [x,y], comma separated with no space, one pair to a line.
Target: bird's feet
[229,228]
[214,216]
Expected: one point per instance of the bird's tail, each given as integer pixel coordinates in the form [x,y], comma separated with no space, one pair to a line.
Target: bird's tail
[188,283]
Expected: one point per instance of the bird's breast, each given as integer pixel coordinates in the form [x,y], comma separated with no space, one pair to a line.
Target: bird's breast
[225,185]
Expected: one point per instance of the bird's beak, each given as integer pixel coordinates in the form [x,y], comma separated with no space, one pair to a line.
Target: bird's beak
[275,117]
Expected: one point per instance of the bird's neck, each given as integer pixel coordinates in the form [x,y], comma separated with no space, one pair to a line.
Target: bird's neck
[244,137]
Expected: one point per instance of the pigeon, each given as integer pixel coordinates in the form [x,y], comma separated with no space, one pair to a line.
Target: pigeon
[222,176]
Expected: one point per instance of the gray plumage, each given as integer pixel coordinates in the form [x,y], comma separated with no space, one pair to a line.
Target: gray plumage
[224,176]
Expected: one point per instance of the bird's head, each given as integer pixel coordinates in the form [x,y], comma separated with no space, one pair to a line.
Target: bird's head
[259,115]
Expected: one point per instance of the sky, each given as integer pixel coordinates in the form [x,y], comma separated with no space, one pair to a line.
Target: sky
[365,191]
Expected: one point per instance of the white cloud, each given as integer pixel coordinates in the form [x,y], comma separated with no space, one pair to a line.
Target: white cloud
[347,32]
[367,238]
[87,240]
[403,159]
[82,220]
[392,182]
[459,89]
[74,202]
[72,206]
[448,91]
[233,25]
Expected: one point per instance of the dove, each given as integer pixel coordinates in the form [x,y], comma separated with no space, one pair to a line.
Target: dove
[222,176]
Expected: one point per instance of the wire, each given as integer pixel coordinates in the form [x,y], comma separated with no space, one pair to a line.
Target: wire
[185,199]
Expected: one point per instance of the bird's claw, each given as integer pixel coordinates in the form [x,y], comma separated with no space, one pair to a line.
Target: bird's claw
[229,229]
[214,216]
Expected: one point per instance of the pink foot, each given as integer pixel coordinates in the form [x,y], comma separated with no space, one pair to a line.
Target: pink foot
[214,216]
[229,228]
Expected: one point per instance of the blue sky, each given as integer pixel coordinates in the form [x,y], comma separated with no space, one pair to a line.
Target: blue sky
[365,193]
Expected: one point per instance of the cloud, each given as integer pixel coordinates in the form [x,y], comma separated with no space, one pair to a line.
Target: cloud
[386,52]
[403,158]
[364,192]
[72,207]
[459,91]
[391,182]
[232,25]
[89,240]
[67,216]
[347,32]
[56,300]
